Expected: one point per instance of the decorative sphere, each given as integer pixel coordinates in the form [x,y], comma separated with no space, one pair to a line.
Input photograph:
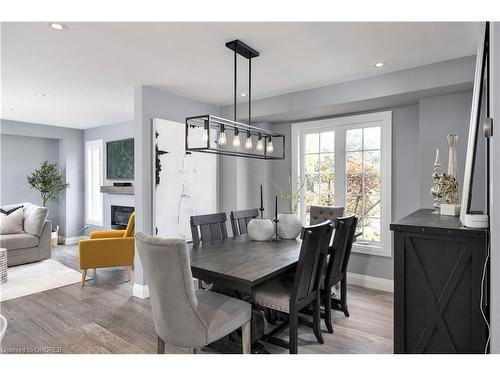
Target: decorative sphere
[289,226]
[260,229]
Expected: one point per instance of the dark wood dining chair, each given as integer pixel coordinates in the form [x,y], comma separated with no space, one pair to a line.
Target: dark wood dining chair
[293,292]
[336,271]
[208,227]
[240,220]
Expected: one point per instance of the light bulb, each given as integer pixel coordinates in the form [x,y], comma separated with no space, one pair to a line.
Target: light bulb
[222,138]
[205,135]
[260,144]
[236,140]
[270,147]
[248,142]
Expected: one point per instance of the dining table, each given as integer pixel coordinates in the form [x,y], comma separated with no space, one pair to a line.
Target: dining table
[241,264]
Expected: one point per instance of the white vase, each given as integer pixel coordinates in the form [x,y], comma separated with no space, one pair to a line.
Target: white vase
[289,226]
[260,229]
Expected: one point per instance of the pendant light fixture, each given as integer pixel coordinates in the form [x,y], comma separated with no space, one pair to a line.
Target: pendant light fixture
[198,128]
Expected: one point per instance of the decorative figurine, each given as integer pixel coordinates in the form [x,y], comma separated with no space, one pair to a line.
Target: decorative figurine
[436,190]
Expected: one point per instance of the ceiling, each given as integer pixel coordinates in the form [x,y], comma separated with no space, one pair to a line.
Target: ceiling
[88,72]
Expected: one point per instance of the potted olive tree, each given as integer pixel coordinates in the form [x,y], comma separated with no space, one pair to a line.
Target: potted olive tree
[49,182]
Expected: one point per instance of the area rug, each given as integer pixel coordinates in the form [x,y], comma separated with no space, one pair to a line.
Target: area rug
[35,278]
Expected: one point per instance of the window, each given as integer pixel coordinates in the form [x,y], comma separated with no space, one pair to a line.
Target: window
[93,182]
[347,162]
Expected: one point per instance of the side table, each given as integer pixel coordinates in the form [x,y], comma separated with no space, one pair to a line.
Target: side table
[3,266]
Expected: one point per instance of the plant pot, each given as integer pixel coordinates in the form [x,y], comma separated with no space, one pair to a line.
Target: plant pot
[260,229]
[289,226]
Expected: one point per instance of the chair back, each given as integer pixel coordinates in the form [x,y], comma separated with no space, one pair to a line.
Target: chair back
[240,220]
[173,300]
[340,250]
[315,241]
[319,214]
[208,227]
[129,232]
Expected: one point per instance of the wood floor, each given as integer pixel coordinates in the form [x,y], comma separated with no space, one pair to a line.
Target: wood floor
[104,317]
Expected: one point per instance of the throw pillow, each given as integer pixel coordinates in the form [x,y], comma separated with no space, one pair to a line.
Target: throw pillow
[34,219]
[11,220]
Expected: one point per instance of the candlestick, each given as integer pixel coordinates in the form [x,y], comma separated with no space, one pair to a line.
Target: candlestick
[261,204]
[276,237]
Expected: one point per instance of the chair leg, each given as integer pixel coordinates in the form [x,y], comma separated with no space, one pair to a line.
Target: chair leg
[129,272]
[328,311]
[343,296]
[317,319]
[200,284]
[161,345]
[294,333]
[195,350]
[84,276]
[246,337]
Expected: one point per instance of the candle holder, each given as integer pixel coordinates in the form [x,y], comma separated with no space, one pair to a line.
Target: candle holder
[276,237]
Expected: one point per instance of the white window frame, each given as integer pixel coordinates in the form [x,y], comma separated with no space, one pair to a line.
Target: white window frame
[98,143]
[340,125]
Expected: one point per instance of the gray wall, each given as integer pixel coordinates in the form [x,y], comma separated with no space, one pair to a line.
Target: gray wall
[71,202]
[495,189]
[19,157]
[107,133]
[151,103]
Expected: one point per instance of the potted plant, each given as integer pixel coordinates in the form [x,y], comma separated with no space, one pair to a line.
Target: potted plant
[289,225]
[49,182]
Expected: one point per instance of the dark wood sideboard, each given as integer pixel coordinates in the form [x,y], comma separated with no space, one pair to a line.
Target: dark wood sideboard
[438,268]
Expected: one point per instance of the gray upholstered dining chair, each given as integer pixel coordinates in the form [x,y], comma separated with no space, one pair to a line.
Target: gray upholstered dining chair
[319,214]
[3,327]
[182,316]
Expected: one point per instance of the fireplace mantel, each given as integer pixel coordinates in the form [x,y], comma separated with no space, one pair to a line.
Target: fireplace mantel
[125,190]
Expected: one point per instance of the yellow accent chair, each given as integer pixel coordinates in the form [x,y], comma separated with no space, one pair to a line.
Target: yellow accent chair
[108,248]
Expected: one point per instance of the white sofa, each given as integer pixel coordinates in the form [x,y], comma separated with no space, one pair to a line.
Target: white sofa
[33,243]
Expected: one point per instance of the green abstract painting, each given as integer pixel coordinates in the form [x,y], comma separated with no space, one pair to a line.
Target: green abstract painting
[120,159]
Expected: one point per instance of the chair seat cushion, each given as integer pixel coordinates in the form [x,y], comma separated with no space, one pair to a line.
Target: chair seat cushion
[221,313]
[275,293]
[18,241]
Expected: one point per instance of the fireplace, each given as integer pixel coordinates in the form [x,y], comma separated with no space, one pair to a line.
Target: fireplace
[120,216]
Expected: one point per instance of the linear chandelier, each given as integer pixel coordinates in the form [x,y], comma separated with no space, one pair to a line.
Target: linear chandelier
[216,135]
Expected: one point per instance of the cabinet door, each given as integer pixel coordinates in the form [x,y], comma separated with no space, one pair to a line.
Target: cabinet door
[442,288]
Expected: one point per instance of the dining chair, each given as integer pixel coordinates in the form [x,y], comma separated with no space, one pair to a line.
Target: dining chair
[208,227]
[182,316]
[240,220]
[336,271]
[3,327]
[293,292]
[318,214]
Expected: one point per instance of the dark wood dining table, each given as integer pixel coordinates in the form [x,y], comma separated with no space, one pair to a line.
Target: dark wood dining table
[241,264]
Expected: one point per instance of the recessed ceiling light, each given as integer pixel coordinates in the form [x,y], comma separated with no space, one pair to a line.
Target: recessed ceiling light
[39,94]
[379,64]
[58,26]
[243,94]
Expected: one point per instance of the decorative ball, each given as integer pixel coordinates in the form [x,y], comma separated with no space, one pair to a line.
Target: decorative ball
[260,229]
[289,226]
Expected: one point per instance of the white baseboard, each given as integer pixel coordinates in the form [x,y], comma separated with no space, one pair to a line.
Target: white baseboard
[72,240]
[140,291]
[371,282]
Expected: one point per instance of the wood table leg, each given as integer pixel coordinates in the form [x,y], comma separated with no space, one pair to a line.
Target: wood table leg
[246,339]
